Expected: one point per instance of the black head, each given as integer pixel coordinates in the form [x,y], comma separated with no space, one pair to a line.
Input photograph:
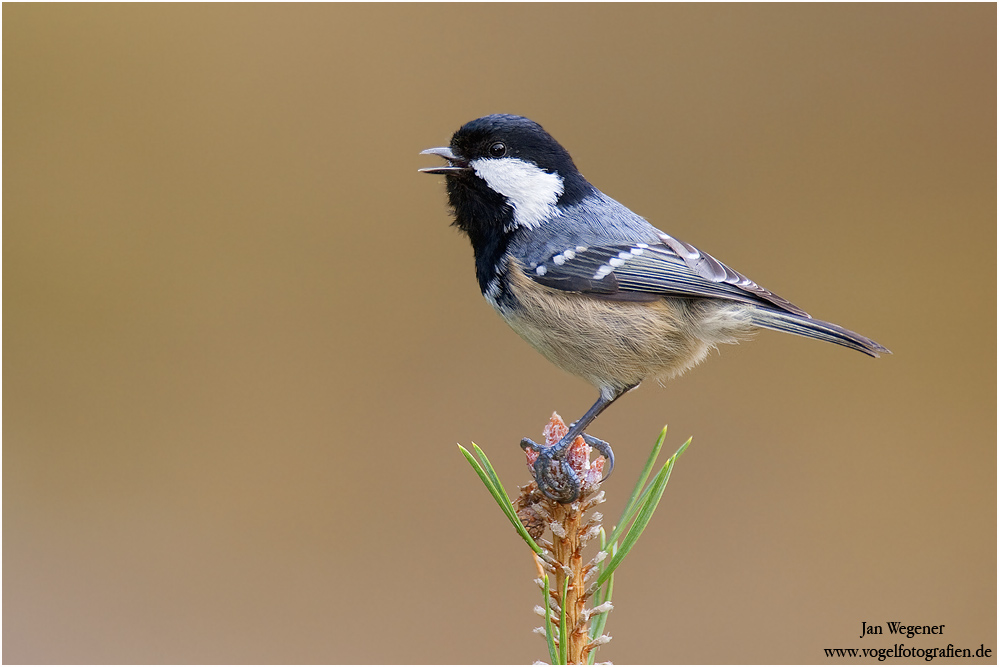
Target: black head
[506,173]
[504,135]
[507,136]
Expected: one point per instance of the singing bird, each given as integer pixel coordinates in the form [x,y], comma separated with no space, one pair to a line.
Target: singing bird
[593,287]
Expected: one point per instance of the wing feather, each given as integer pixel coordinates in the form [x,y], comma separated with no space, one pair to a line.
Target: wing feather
[637,271]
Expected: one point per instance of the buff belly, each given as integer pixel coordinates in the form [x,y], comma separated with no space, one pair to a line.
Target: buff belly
[618,344]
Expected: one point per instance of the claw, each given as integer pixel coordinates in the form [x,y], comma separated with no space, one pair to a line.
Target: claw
[605,450]
[527,443]
[567,490]
[564,485]
[562,488]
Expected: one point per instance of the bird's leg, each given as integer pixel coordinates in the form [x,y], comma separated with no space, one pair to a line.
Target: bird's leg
[565,488]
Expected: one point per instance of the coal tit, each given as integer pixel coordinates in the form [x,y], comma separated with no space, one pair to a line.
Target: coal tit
[592,286]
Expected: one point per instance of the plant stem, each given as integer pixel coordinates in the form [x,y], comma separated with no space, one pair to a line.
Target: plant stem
[560,561]
[568,552]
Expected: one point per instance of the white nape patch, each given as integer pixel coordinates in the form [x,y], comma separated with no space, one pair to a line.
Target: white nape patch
[530,190]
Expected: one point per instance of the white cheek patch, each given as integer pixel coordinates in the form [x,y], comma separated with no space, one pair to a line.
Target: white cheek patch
[530,190]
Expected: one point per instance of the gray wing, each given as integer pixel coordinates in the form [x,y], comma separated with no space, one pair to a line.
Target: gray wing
[643,272]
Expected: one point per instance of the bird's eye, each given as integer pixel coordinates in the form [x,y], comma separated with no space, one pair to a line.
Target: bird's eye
[498,149]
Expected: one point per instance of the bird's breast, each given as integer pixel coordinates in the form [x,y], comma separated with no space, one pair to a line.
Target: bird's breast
[614,344]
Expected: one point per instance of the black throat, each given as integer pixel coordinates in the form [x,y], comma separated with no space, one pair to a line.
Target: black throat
[483,215]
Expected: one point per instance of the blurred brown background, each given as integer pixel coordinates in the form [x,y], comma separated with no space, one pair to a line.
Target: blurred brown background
[241,340]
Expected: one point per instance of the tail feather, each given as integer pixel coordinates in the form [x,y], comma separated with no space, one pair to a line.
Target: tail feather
[811,328]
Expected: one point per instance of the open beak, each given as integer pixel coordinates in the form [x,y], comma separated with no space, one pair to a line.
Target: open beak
[456,166]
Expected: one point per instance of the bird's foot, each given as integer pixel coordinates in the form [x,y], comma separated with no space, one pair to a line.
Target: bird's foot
[558,482]
[556,475]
